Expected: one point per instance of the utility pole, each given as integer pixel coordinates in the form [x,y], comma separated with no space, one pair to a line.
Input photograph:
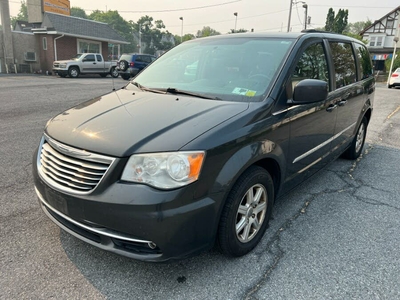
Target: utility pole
[305,15]
[395,40]
[290,15]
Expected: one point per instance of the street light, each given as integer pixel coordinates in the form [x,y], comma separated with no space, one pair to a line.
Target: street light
[290,13]
[235,14]
[395,40]
[305,15]
[181,18]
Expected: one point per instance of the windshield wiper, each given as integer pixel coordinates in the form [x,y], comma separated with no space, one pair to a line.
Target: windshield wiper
[143,88]
[172,91]
[182,92]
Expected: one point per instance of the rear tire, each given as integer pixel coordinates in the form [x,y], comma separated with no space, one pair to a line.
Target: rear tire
[355,149]
[246,213]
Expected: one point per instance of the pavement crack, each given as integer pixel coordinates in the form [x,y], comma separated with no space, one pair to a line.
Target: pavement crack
[278,253]
[355,163]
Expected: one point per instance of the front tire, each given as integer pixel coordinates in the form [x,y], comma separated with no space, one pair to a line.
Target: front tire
[358,142]
[246,213]
[125,77]
[73,72]
[114,73]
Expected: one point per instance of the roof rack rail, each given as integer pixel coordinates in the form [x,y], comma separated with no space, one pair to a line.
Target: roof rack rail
[315,30]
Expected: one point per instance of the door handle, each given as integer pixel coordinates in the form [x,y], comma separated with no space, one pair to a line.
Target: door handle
[331,108]
[94,63]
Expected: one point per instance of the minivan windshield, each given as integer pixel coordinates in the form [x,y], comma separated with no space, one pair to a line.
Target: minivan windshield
[232,69]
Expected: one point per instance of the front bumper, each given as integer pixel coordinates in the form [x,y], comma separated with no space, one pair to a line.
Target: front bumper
[134,220]
[130,71]
[60,71]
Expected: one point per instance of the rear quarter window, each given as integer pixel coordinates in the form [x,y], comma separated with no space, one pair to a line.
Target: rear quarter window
[364,58]
[344,63]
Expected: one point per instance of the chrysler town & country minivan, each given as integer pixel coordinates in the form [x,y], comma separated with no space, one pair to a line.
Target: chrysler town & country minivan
[177,161]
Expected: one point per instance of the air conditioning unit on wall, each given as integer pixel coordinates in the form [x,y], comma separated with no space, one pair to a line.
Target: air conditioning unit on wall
[30,56]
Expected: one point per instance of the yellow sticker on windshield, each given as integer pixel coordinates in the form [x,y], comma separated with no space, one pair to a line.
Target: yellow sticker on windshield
[250,93]
[244,92]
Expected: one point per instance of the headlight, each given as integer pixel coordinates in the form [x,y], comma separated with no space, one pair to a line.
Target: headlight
[166,170]
[62,65]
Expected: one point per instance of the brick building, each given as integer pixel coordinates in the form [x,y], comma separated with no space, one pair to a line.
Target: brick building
[33,46]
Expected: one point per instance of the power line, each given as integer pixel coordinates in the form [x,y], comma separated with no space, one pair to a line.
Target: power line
[230,20]
[157,11]
[177,9]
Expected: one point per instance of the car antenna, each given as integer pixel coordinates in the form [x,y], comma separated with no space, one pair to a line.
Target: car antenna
[112,57]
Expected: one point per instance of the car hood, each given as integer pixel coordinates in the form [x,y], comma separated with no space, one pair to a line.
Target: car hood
[63,61]
[125,122]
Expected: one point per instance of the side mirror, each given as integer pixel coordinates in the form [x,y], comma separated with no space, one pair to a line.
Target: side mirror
[309,91]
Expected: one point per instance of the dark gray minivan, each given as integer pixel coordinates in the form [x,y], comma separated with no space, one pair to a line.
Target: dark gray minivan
[196,150]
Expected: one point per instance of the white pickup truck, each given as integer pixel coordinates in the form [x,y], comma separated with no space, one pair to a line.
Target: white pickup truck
[85,63]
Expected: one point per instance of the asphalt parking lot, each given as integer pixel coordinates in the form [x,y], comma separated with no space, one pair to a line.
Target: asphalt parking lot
[334,237]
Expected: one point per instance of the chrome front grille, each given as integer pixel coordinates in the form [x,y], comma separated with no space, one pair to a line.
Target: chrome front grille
[69,169]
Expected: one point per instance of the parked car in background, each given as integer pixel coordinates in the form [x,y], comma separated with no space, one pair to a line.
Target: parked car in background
[131,64]
[197,148]
[394,79]
[85,63]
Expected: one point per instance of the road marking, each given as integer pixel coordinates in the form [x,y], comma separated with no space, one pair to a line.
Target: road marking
[393,113]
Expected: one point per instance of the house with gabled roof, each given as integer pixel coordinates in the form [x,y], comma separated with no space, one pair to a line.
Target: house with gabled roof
[380,36]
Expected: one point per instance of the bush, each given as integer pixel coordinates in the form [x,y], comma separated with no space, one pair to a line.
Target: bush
[396,63]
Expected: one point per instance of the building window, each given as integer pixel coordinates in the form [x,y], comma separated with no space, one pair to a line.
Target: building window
[372,41]
[376,41]
[45,43]
[379,41]
[85,46]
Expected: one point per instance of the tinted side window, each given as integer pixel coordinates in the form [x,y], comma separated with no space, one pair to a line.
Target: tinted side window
[344,63]
[139,58]
[365,61]
[99,58]
[311,65]
[148,59]
[89,57]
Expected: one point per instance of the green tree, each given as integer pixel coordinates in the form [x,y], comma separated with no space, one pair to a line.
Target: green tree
[357,27]
[186,37]
[78,12]
[396,62]
[152,36]
[356,36]
[22,15]
[336,23]
[241,30]
[330,20]
[119,24]
[207,31]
